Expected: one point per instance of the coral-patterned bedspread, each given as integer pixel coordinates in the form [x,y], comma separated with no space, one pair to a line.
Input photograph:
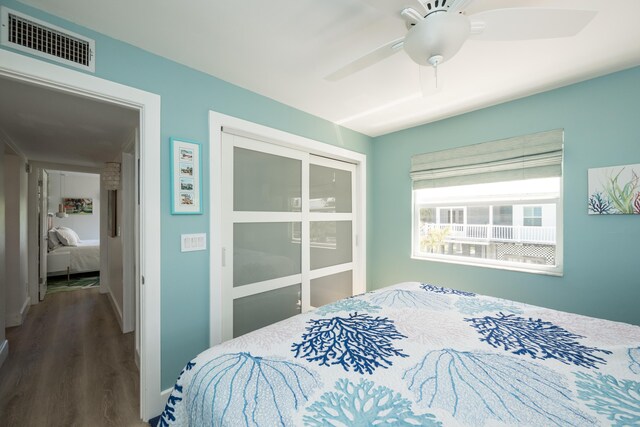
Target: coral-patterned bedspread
[417,354]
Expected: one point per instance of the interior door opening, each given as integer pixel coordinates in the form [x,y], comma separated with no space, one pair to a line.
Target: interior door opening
[39,75]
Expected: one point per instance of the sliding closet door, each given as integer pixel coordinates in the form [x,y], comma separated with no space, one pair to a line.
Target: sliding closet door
[287,233]
[263,239]
[332,231]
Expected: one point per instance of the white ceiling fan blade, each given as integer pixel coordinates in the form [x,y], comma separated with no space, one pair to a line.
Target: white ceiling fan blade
[393,7]
[411,16]
[458,5]
[529,23]
[367,60]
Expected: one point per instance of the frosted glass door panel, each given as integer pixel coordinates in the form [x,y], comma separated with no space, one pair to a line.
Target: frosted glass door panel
[265,250]
[327,289]
[265,182]
[329,189]
[259,310]
[330,243]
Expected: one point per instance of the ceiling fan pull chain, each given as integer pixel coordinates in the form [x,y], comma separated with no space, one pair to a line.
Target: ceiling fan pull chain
[435,71]
[435,60]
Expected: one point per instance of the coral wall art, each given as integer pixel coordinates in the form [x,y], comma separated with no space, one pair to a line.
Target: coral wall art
[614,190]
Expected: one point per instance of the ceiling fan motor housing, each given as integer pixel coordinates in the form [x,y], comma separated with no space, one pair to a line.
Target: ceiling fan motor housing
[431,6]
[440,33]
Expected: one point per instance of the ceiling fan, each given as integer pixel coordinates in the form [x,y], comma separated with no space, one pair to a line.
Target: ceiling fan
[437,29]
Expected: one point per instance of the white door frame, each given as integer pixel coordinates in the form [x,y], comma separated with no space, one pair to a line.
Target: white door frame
[43,237]
[33,239]
[33,71]
[217,122]
[128,242]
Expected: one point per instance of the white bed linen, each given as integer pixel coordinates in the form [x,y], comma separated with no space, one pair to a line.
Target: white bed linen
[82,258]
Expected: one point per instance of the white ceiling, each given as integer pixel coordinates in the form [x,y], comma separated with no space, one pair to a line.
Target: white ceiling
[55,127]
[283,49]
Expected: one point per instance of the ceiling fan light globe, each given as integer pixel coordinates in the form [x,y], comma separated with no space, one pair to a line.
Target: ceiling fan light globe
[440,33]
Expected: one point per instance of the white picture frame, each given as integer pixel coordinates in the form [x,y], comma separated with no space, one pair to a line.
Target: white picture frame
[186,177]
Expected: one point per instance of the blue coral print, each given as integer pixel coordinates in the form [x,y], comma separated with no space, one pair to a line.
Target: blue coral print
[168,415]
[479,387]
[250,390]
[634,360]
[360,342]
[618,399]
[538,339]
[349,304]
[478,305]
[363,404]
[402,298]
[442,290]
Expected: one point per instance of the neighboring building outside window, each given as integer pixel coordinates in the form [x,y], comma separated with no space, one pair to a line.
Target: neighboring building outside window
[496,204]
[506,231]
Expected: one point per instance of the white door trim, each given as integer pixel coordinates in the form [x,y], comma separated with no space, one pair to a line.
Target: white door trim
[43,238]
[217,122]
[33,236]
[128,242]
[33,71]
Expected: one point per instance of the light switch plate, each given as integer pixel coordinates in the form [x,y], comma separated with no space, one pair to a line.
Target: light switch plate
[193,242]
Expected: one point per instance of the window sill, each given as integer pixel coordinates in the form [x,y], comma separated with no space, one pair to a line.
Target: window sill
[556,272]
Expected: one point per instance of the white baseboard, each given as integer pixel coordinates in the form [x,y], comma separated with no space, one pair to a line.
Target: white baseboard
[17,319]
[4,352]
[116,309]
[104,289]
[25,309]
[12,320]
[164,395]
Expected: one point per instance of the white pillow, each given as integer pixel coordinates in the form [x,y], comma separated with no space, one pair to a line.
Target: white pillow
[53,241]
[67,236]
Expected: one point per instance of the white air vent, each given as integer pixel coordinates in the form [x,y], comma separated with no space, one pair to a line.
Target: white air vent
[22,32]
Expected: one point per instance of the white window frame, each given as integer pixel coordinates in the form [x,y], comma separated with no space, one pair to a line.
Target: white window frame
[557,270]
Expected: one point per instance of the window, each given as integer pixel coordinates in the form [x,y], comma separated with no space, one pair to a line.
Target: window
[451,215]
[532,216]
[491,219]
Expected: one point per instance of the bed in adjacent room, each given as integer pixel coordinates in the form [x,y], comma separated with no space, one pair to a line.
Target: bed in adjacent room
[417,354]
[69,255]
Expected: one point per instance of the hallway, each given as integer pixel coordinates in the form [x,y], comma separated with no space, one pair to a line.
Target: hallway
[70,365]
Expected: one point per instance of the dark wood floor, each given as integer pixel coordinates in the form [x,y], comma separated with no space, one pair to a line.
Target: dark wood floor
[70,365]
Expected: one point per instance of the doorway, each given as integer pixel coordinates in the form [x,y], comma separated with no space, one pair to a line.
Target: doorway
[70,218]
[42,74]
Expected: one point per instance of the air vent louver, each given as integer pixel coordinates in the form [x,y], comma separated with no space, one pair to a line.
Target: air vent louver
[28,34]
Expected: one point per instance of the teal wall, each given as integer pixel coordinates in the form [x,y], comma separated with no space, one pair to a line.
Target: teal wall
[187,96]
[601,118]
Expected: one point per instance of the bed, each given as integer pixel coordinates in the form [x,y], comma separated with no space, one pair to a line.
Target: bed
[417,354]
[84,257]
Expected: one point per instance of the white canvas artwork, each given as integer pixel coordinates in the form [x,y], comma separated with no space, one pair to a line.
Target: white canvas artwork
[614,190]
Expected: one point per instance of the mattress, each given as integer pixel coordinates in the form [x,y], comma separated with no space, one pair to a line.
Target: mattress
[417,354]
[82,258]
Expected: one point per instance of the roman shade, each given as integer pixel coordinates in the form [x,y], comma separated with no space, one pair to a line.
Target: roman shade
[537,155]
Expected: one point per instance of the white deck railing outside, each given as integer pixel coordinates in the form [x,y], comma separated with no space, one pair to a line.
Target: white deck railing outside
[495,233]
